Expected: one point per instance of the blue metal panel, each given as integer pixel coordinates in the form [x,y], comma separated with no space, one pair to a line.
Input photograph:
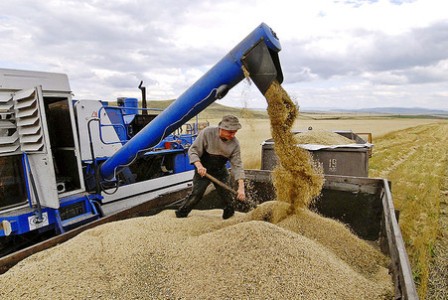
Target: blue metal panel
[115,115]
[182,163]
[20,224]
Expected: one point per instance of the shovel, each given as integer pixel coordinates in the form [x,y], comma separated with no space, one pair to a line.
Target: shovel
[250,204]
[221,184]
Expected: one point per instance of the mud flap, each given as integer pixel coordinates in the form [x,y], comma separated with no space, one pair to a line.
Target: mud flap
[263,66]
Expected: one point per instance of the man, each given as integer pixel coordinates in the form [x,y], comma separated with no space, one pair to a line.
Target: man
[212,149]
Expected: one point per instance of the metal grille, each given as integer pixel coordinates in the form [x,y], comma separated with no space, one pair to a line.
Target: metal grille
[28,120]
[9,137]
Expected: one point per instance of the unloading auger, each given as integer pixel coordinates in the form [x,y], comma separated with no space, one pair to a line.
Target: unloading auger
[257,53]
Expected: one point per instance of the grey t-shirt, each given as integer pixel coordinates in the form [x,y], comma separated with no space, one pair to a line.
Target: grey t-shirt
[208,140]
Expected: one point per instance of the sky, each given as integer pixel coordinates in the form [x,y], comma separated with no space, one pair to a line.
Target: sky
[335,54]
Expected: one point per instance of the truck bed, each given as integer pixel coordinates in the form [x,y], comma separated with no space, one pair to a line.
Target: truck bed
[364,204]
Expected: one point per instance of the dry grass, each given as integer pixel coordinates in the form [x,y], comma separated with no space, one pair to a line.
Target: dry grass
[415,160]
[438,283]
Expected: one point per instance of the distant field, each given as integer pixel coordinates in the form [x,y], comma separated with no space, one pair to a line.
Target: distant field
[256,130]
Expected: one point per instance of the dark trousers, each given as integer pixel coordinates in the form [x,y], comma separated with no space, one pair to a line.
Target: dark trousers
[200,184]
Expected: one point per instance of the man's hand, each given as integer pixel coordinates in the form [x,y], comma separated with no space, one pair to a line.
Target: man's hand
[200,168]
[241,193]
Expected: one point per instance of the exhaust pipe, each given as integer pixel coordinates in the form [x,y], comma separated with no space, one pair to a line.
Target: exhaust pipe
[258,53]
[144,105]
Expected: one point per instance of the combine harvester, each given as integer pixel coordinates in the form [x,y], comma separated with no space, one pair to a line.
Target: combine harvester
[68,165]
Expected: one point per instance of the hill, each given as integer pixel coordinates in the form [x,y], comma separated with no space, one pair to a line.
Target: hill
[216,110]
[409,111]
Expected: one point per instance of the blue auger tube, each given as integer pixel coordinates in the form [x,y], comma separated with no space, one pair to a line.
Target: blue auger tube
[211,86]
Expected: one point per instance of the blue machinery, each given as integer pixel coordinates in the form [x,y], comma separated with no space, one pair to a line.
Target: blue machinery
[76,194]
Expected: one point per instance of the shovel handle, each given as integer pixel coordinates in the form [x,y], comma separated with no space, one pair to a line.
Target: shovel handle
[220,183]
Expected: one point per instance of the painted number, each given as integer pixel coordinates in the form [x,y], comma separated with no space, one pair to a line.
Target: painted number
[332,165]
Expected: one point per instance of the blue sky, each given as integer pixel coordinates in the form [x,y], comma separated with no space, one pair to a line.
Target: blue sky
[339,54]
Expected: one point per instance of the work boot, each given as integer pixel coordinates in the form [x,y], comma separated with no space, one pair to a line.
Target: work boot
[228,212]
[181,214]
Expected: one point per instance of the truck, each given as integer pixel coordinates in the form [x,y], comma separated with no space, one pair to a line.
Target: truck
[68,165]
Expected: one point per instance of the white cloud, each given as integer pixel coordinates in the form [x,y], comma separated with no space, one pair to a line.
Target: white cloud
[358,53]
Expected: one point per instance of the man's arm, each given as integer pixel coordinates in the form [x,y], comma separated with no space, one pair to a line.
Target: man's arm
[238,172]
[195,152]
[241,193]
[237,164]
[197,148]
[200,168]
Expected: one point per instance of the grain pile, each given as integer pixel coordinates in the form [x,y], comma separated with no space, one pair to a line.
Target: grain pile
[200,257]
[322,137]
[348,247]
